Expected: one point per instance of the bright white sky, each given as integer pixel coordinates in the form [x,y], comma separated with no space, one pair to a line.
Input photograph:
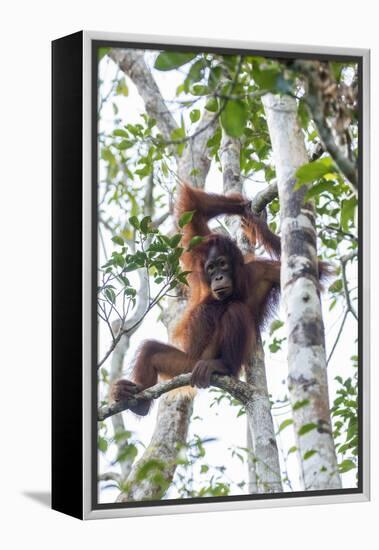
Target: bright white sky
[221,422]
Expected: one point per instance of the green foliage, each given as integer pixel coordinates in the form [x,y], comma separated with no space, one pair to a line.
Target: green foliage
[314,170]
[122,88]
[185,218]
[276,344]
[234,117]
[195,241]
[306,428]
[221,395]
[300,404]
[195,115]
[127,452]
[275,325]
[102,52]
[345,420]
[166,61]
[309,454]
[158,254]
[102,444]
[285,423]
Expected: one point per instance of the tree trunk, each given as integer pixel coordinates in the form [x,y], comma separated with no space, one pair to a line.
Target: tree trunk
[264,467]
[307,380]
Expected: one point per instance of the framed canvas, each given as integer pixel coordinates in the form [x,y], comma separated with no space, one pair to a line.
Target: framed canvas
[210,275]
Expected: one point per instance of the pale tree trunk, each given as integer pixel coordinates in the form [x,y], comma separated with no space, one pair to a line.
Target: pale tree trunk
[307,380]
[175,409]
[258,410]
[264,466]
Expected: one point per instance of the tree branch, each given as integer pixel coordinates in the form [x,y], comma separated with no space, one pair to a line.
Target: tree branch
[132,63]
[338,337]
[344,261]
[264,197]
[238,389]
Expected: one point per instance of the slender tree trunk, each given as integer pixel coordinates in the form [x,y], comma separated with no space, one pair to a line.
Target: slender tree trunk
[258,410]
[307,380]
[264,466]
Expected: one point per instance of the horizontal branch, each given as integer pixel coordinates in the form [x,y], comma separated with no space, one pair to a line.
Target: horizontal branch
[237,388]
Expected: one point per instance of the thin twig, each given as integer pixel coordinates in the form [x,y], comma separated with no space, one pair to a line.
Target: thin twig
[337,337]
[344,261]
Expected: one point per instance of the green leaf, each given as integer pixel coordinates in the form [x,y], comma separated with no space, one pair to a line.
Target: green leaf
[166,61]
[148,468]
[299,404]
[318,188]
[122,88]
[145,225]
[199,89]
[102,52]
[266,78]
[110,294]
[346,466]
[134,222]
[234,117]
[124,144]
[336,286]
[195,241]
[128,452]
[102,444]
[212,105]
[120,133]
[314,170]
[292,450]
[285,423]
[118,240]
[303,114]
[175,240]
[307,428]
[348,212]
[195,115]
[308,454]
[204,468]
[185,218]
[275,325]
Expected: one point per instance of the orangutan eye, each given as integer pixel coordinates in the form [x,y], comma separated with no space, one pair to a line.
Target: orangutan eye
[210,268]
[223,264]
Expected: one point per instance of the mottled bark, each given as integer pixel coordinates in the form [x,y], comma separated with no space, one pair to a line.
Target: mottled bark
[307,378]
[258,410]
[265,457]
[194,164]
